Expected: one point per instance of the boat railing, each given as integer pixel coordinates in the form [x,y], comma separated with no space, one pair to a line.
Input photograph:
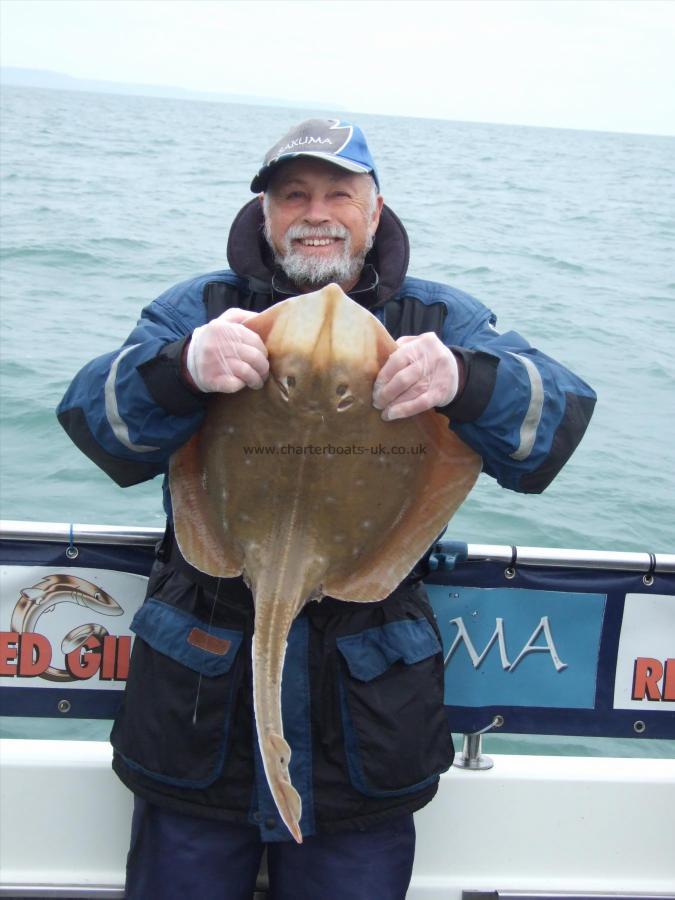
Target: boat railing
[535,640]
[637,561]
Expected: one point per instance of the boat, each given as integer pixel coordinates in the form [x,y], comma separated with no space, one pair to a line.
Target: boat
[537,641]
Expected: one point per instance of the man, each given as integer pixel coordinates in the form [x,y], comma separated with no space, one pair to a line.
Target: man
[367,752]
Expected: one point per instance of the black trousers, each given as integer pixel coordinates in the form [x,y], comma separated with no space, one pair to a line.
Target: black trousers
[177,857]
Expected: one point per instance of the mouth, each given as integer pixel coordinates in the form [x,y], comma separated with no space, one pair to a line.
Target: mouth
[317,242]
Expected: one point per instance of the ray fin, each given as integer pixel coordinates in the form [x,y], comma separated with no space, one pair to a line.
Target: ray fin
[202,538]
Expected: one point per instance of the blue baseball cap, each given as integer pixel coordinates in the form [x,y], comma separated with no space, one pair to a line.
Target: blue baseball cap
[339,143]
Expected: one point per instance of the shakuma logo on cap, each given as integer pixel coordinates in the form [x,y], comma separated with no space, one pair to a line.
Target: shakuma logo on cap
[301,142]
[339,143]
[313,131]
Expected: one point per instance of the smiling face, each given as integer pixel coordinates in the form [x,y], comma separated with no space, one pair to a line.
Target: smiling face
[320,222]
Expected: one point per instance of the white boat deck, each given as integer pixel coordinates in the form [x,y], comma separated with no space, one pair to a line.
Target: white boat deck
[580,826]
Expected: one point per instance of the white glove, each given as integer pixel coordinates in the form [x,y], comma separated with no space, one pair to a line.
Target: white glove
[225,356]
[421,374]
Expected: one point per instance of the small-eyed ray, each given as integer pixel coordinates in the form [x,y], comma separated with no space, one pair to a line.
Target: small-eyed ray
[303,488]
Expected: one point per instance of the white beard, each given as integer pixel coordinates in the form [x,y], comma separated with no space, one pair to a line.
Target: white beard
[308,271]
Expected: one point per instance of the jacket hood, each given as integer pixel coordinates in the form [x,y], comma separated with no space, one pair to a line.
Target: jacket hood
[249,255]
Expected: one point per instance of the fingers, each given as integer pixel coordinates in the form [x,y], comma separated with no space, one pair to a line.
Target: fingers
[419,375]
[237,375]
[397,376]
[225,356]
[398,360]
[409,407]
[238,333]
[236,350]
[251,354]
[234,314]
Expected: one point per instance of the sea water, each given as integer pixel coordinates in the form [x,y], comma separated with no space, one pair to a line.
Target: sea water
[569,236]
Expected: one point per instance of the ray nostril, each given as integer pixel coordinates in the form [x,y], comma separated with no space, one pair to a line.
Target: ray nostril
[341,389]
[290,381]
[345,403]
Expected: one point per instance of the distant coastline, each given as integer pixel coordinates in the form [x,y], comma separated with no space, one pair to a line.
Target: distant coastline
[13,76]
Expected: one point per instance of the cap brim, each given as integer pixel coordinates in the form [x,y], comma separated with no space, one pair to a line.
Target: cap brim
[261,180]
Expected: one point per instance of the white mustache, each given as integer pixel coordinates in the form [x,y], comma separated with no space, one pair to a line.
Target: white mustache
[298,232]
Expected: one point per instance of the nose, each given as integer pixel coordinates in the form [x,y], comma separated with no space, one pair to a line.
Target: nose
[317,212]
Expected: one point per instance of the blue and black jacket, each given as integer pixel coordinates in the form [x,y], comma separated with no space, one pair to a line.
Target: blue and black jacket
[363,684]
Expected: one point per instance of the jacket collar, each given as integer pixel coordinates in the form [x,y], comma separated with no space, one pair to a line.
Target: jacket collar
[386,264]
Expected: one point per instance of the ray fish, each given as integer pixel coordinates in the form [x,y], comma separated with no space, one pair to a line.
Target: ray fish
[307,492]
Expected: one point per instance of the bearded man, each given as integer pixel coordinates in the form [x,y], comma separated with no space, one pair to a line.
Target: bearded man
[202,813]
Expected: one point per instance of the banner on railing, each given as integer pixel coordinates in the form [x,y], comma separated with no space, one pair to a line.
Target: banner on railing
[65,641]
[546,650]
[557,651]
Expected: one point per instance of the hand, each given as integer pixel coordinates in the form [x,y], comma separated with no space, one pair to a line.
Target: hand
[420,374]
[225,356]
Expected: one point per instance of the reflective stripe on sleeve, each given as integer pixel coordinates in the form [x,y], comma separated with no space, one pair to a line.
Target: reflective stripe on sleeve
[528,429]
[118,425]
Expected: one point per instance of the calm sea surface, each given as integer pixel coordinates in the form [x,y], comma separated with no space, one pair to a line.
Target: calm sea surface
[569,236]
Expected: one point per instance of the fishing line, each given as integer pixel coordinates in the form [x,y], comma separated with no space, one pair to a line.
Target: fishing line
[208,631]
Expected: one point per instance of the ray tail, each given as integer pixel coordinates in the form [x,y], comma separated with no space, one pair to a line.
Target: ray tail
[273,621]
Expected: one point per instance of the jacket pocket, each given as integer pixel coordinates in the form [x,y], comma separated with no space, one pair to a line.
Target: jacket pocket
[174,720]
[396,731]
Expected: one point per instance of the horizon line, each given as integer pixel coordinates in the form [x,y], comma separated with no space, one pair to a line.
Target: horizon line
[200,96]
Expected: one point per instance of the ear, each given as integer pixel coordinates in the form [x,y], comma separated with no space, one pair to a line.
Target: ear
[261,199]
[377,212]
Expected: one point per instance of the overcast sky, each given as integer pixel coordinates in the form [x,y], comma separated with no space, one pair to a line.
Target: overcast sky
[595,64]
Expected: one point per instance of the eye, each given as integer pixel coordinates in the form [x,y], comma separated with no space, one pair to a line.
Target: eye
[285,385]
[346,398]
